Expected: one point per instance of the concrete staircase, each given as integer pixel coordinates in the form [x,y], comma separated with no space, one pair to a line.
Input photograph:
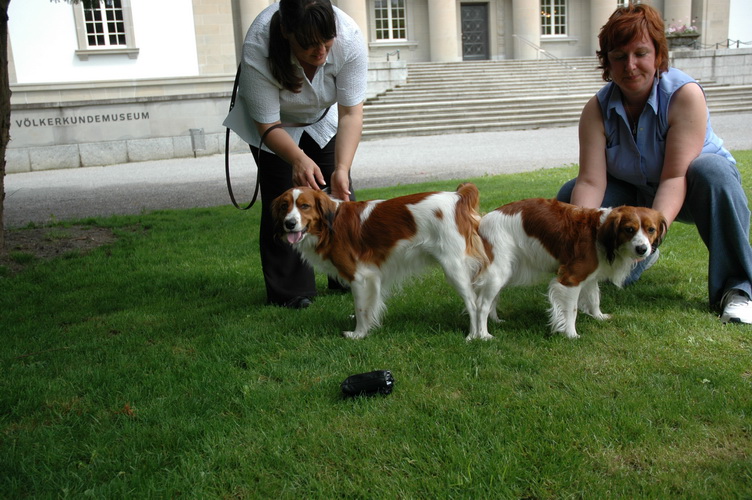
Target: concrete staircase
[502,95]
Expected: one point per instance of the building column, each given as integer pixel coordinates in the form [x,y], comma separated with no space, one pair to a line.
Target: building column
[600,11]
[249,9]
[357,9]
[444,36]
[678,12]
[526,22]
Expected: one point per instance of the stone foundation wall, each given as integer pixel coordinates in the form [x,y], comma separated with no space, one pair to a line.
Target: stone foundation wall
[106,123]
[724,66]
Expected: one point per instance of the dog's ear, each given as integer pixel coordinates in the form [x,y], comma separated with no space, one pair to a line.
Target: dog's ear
[279,209]
[608,234]
[327,207]
[662,230]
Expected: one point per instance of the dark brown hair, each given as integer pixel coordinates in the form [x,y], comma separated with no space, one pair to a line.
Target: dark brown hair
[311,22]
[626,24]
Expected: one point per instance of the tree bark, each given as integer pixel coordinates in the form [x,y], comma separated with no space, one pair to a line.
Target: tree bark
[4,112]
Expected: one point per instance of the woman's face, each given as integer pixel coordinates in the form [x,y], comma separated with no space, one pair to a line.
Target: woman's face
[315,55]
[633,66]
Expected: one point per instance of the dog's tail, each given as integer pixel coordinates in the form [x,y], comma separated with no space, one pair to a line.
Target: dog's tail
[467,217]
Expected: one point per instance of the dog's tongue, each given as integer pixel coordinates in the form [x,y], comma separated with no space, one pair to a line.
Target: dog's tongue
[294,237]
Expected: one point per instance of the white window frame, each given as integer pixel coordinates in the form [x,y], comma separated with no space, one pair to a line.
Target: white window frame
[85,50]
[554,17]
[391,20]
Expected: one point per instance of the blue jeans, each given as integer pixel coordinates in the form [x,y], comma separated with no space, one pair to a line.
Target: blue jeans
[716,204]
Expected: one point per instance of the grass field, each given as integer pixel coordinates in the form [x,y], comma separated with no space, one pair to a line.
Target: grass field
[151,368]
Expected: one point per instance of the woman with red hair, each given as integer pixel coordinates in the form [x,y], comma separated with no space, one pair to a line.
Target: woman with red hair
[646,140]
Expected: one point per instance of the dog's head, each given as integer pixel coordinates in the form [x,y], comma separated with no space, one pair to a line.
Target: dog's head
[301,211]
[633,232]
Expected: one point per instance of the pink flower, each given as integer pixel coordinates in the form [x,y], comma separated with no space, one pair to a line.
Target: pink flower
[681,28]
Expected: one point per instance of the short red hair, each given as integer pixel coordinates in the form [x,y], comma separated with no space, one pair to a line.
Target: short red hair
[626,24]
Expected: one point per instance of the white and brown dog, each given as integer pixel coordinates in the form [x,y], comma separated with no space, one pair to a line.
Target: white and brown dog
[530,239]
[373,245]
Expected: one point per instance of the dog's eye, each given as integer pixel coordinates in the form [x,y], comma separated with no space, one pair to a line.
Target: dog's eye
[651,230]
[629,230]
[305,206]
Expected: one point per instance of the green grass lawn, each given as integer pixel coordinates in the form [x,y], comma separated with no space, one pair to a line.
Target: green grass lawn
[151,368]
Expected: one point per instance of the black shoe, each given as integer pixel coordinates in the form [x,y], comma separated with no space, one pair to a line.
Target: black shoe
[298,303]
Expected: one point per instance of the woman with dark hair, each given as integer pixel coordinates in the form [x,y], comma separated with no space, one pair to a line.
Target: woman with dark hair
[302,59]
[646,140]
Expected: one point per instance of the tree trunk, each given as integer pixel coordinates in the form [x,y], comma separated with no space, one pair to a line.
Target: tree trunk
[4,111]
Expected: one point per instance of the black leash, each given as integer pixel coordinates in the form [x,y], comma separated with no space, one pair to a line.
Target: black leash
[263,138]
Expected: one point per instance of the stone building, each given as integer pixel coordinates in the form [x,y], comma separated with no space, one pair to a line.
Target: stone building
[135,79]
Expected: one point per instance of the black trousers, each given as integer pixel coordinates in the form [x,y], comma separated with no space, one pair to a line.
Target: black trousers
[286,276]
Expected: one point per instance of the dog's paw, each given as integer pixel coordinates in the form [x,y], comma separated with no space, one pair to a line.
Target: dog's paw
[479,336]
[597,314]
[354,335]
[495,317]
[568,334]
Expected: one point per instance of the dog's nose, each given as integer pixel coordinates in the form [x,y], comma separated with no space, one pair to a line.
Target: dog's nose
[290,224]
[641,249]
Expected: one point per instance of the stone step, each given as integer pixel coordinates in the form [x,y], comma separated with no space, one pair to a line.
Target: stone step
[404,111]
[388,111]
[513,123]
[463,113]
[507,78]
[502,95]
[461,121]
[414,75]
[510,79]
[564,63]
[463,93]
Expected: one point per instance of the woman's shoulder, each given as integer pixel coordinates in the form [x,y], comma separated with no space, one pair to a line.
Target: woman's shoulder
[347,28]
[606,94]
[592,112]
[673,79]
[260,26]
[350,43]
[256,43]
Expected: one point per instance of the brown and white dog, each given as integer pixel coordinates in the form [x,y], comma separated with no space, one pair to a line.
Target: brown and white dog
[373,245]
[529,239]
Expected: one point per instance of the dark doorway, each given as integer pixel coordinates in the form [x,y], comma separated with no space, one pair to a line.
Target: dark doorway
[474,31]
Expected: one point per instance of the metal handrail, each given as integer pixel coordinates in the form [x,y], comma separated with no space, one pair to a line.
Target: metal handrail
[544,52]
[392,53]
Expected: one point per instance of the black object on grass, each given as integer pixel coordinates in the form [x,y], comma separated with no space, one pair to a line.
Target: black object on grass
[368,384]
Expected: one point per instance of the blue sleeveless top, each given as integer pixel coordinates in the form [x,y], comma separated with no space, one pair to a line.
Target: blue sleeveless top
[639,160]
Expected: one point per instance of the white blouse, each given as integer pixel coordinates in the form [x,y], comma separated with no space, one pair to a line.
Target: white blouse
[261,98]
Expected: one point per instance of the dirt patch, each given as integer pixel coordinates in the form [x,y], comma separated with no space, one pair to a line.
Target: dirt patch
[25,246]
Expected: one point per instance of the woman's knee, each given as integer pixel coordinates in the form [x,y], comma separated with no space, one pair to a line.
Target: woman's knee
[565,193]
[712,169]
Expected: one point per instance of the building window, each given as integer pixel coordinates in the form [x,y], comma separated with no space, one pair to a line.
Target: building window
[553,17]
[390,19]
[105,28]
